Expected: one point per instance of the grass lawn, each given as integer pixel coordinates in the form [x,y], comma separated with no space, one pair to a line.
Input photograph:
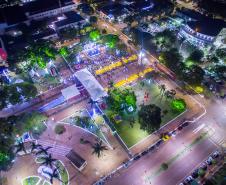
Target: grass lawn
[46,183]
[131,133]
[63,173]
[31,180]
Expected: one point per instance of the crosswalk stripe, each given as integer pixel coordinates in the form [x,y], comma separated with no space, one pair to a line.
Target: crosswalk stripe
[57,149]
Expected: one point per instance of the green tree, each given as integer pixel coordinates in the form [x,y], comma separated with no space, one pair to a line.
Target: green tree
[42,151]
[64,51]
[48,160]
[163,40]
[178,105]
[220,71]
[173,60]
[54,175]
[110,40]
[28,90]
[193,75]
[7,140]
[201,172]
[221,53]
[196,55]
[33,122]
[59,129]
[164,166]
[20,147]
[94,35]
[93,19]
[119,100]
[149,117]
[39,53]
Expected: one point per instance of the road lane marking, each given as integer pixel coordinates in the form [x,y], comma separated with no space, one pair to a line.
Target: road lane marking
[199,128]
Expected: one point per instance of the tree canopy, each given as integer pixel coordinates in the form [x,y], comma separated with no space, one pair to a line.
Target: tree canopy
[173,60]
[120,100]
[39,53]
[94,35]
[149,117]
[16,93]
[163,40]
[193,75]
[178,105]
[12,126]
[93,19]
[64,51]
[110,40]
[196,55]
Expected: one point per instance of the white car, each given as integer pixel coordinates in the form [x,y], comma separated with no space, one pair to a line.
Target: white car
[188,179]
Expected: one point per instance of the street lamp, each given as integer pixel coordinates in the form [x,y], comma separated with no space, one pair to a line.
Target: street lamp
[141,55]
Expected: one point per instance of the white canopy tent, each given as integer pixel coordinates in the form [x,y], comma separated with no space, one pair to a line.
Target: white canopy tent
[95,90]
[70,92]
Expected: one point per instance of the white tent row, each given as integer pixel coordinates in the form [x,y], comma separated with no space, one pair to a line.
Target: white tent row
[95,90]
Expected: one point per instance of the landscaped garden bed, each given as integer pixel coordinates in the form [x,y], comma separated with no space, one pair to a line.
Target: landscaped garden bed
[63,173]
[33,180]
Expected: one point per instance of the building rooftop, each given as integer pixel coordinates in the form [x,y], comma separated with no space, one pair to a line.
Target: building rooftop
[142,5]
[46,33]
[14,14]
[203,24]
[39,6]
[114,9]
[211,27]
[71,18]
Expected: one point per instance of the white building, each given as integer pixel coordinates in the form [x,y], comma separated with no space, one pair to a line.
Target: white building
[45,11]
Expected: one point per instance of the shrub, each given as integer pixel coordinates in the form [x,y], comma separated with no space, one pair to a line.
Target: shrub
[164,166]
[60,129]
[178,105]
[201,173]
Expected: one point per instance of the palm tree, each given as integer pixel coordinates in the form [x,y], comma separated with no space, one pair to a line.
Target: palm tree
[35,146]
[53,175]
[20,147]
[48,160]
[162,88]
[168,95]
[98,148]
[92,102]
[172,93]
[43,150]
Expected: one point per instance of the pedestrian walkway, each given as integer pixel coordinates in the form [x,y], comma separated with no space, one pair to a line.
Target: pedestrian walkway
[218,139]
[56,149]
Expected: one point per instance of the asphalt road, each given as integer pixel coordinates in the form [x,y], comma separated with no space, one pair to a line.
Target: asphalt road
[179,152]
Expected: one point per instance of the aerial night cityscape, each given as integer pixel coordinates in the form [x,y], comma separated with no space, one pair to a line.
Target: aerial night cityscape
[113,92]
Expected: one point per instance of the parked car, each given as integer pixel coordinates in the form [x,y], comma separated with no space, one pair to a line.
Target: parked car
[195,173]
[188,179]
[160,141]
[165,137]
[216,154]
[127,164]
[204,166]
[180,127]
[209,161]
[151,148]
[185,124]
[144,152]
[137,157]
[173,133]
